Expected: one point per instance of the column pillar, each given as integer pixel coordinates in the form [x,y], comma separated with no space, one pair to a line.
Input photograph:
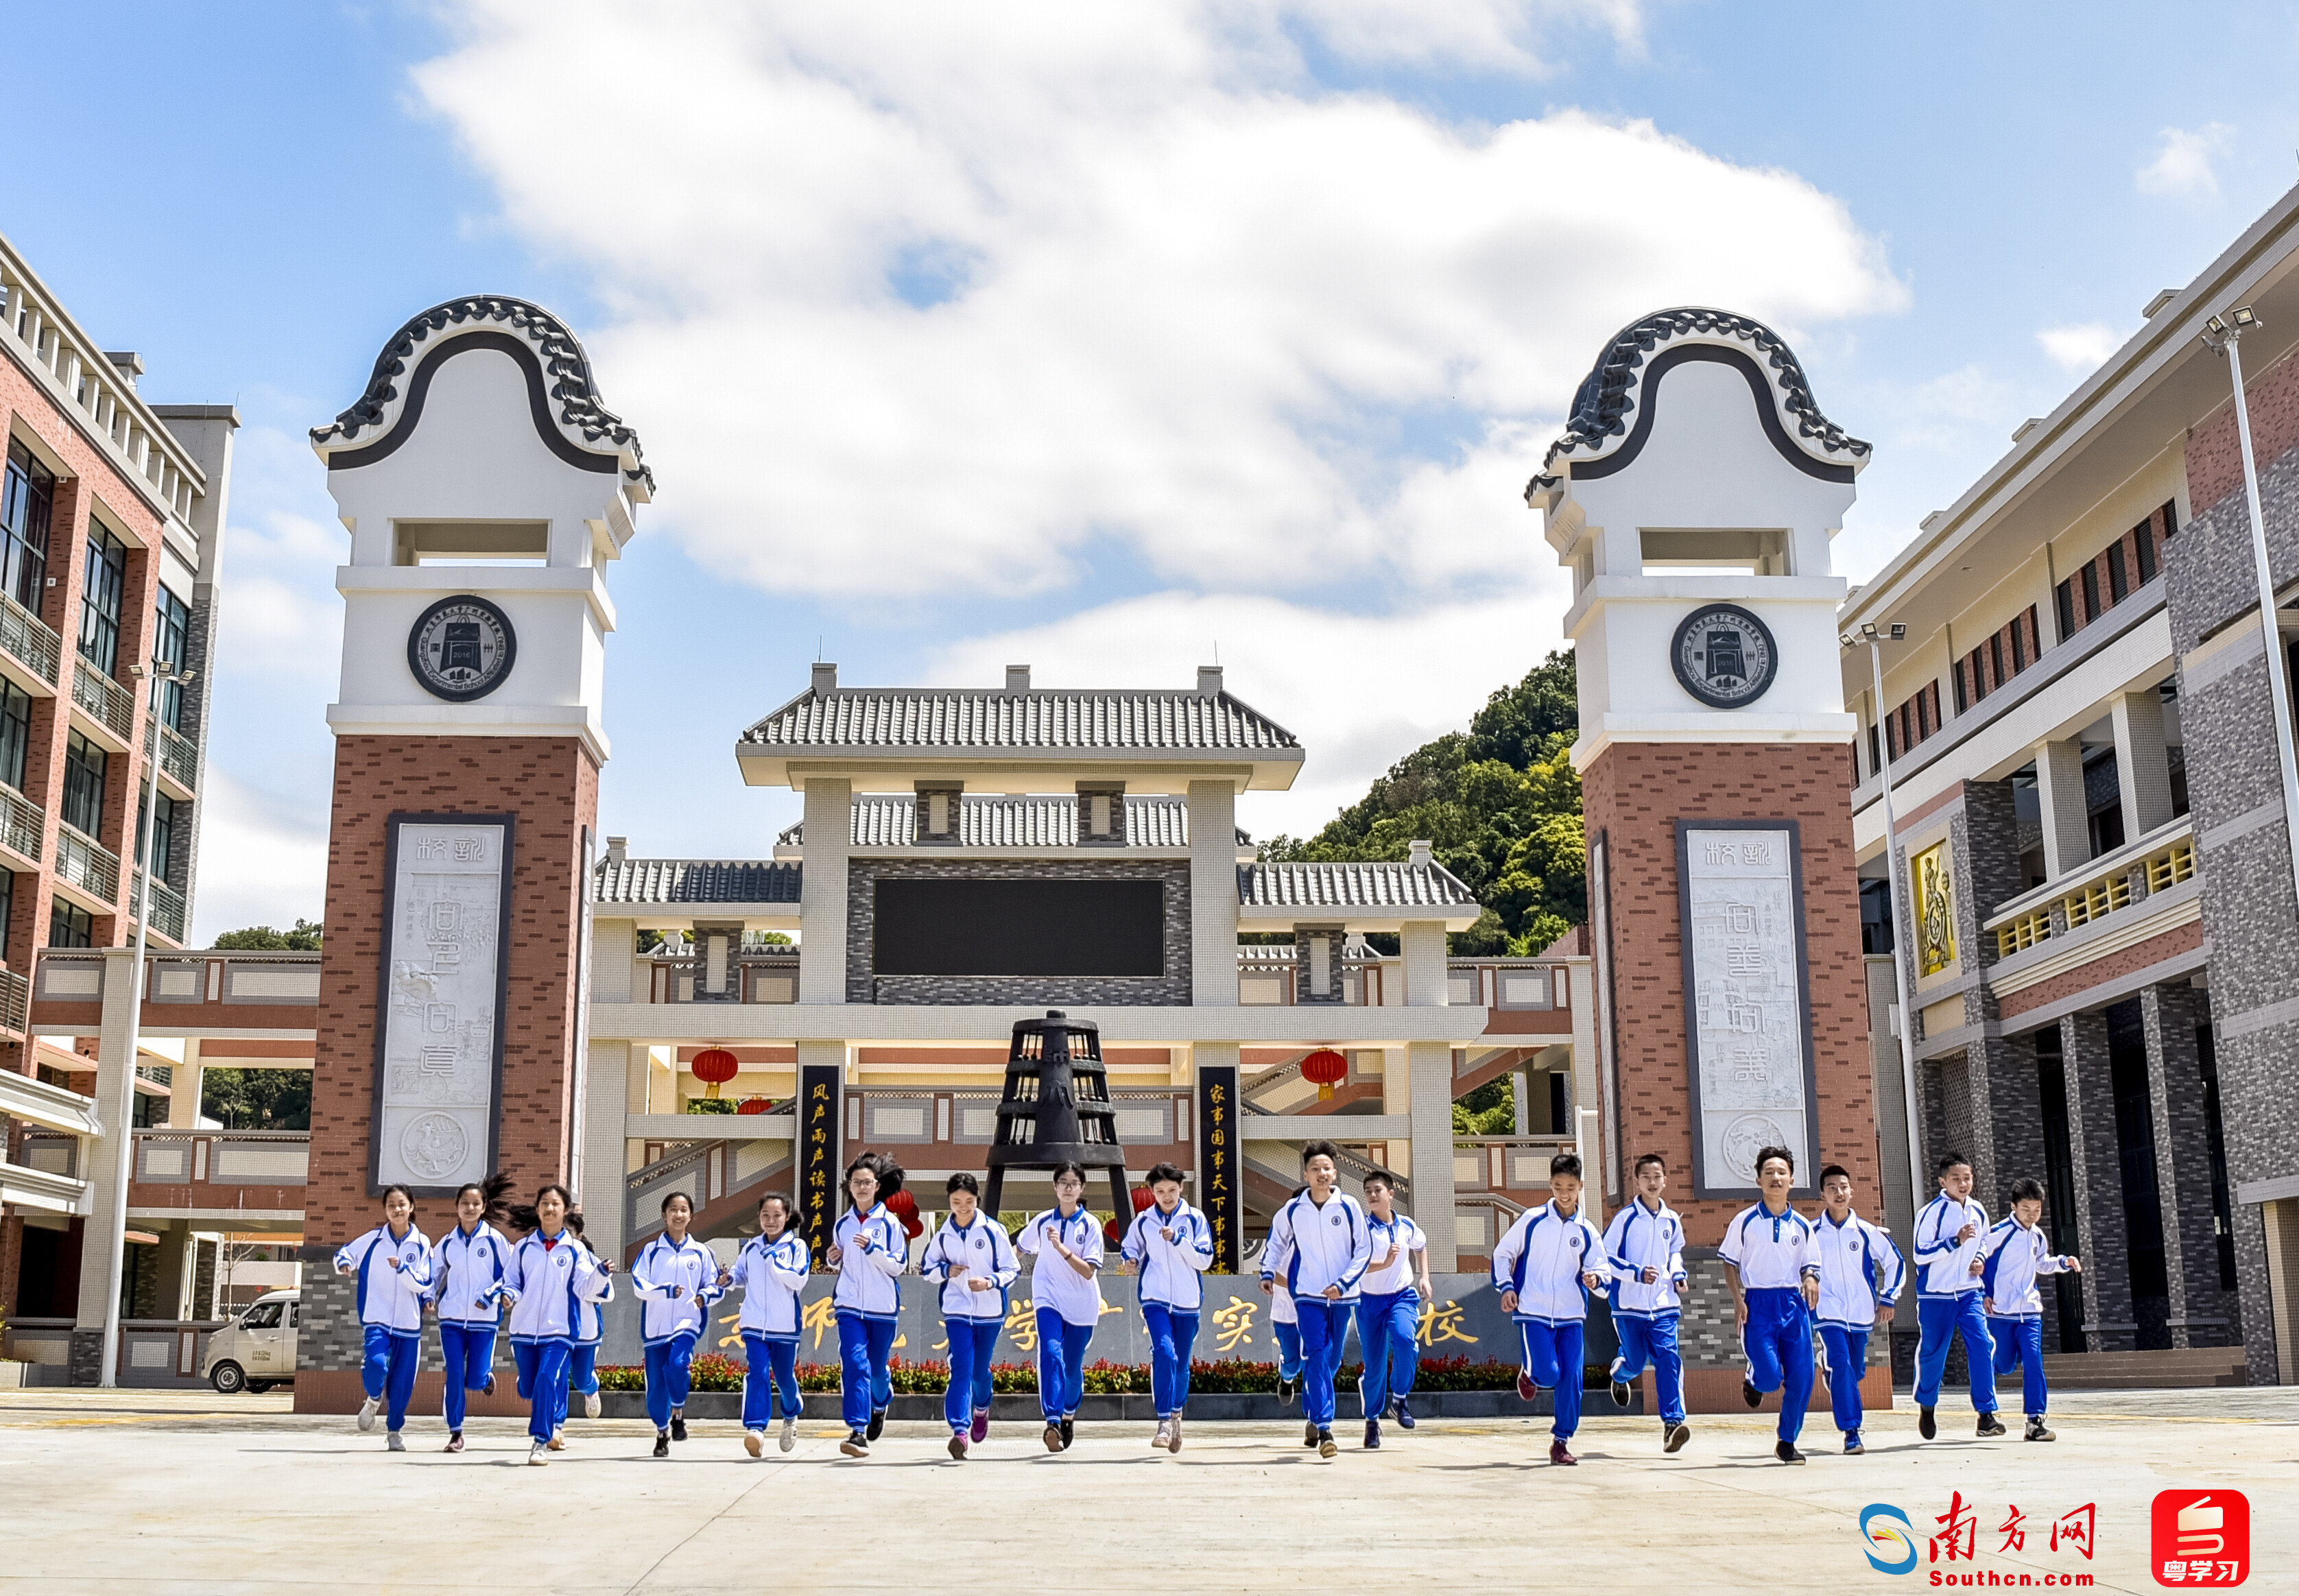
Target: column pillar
[1431,1097]
[2060,792]
[115,1067]
[1213,895]
[2183,1167]
[1397,1098]
[2143,761]
[2098,1157]
[822,906]
[184,1088]
[606,1087]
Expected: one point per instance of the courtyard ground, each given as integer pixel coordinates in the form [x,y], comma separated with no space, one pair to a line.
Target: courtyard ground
[162,1492]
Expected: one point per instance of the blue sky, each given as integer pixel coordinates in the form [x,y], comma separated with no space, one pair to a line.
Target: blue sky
[1103,338]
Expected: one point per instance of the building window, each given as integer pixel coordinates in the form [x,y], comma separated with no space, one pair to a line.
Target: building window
[70,925]
[163,823]
[25,499]
[15,732]
[2119,585]
[84,764]
[104,582]
[2091,607]
[170,637]
[2063,601]
[7,906]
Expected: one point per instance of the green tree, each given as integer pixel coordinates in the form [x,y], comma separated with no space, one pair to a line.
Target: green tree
[301,938]
[1500,803]
[257,1099]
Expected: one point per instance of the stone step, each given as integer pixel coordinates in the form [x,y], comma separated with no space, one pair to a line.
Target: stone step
[2176,1367]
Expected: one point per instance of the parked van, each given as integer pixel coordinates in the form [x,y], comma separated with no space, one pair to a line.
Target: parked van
[257,1349]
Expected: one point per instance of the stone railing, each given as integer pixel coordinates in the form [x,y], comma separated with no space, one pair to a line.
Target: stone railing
[113,705]
[2157,863]
[185,1158]
[87,864]
[765,977]
[30,639]
[1505,1163]
[1265,977]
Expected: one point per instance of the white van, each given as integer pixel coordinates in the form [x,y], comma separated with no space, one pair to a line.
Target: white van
[257,1349]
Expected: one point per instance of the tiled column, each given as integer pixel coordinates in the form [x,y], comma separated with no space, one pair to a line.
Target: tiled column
[1431,1096]
[1213,895]
[2108,1323]
[184,1088]
[599,1170]
[2142,762]
[822,909]
[2183,1167]
[115,1064]
[2060,790]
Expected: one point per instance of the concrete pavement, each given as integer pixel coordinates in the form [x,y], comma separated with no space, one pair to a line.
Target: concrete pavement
[182,1491]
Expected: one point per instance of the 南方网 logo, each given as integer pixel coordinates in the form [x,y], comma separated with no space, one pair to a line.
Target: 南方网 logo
[1889,1538]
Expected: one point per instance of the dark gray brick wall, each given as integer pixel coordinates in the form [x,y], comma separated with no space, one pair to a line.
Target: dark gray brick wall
[2103,1245]
[2199,1313]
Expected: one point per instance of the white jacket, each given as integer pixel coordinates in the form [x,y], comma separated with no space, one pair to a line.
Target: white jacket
[548,1283]
[1170,1270]
[1407,1238]
[873,1252]
[1859,1270]
[1311,1248]
[981,1250]
[771,1275]
[1944,1264]
[466,1272]
[676,1283]
[1639,1239]
[1054,1283]
[392,1297]
[2016,1255]
[1542,1258]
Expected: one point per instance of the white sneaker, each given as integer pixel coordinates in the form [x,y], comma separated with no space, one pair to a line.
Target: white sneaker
[790,1432]
[536,1457]
[1164,1438]
[367,1413]
[558,1440]
[754,1441]
[391,1442]
[591,1405]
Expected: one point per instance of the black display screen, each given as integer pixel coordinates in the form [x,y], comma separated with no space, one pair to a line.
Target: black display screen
[1020,928]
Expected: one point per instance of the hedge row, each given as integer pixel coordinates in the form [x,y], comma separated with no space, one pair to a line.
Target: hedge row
[715,1371]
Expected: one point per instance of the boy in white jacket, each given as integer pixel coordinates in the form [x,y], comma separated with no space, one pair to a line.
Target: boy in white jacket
[1861,1273]
[1544,1269]
[1169,1245]
[1950,1232]
[1320,1242]
[973,1258]
[1645,1245]
[2015,1253]
[771,1273]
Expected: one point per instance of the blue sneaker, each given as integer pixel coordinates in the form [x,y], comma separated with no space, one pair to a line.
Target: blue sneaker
[1852,1446]
[1404,1414]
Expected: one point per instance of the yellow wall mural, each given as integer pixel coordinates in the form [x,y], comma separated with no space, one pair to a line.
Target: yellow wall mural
[1935,912]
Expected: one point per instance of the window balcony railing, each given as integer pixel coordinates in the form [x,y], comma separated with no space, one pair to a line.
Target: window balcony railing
[30,639]
[177,755]
[87,864]
[15,1001]
[113,705]
[2155,863]
[21,822]
[167,908]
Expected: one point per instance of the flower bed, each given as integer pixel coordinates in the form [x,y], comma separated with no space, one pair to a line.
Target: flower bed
[715,1371]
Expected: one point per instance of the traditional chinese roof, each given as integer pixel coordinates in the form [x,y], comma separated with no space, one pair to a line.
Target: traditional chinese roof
[1367,896]
[696,881]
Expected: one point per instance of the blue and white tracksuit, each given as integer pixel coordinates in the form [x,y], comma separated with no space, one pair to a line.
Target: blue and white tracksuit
[548,1285]
[676,1282]
[1315,1248]
[1860,1271]
[393,1277]
[1647,1315]
[771,1276]
[1173,1293]
[1775,1253]
[873,1252]
[2016,1255]
[971,1320]
[1948,1301]
[1388,1314]
[1068,1304]
[466,1280]
[1541,1259]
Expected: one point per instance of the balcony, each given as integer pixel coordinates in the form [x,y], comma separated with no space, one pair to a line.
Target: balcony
[21,822]
[764,977]
[214,1164]
[29,639]
[2109,885]
[178,756]
[112,705]
[167,908]
[83,862]
[1266,977]
[1512,1164]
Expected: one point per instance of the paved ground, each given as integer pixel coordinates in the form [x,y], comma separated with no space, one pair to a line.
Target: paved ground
[168,1492]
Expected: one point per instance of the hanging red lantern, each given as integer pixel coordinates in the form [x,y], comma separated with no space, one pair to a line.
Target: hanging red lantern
[1326,1069]
[905,1208]
[1111,1230]
[715,1066]
[753,1105]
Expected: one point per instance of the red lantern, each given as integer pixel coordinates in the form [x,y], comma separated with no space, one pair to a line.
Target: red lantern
[717,1066]
[1327,1070]
[753,1105]
[905,1208]
[1110,1232]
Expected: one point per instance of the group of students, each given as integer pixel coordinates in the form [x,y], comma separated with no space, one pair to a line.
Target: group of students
[1329,1258]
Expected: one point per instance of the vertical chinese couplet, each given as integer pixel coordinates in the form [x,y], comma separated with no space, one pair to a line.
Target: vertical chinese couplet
[820,1089]
[440,1054]
[1218,1150]
[1745,990]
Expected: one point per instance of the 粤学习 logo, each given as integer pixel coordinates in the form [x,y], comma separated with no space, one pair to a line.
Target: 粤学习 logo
[2201,1538]
[1889,1538]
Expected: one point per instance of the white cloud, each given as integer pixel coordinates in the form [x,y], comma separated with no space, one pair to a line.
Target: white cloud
[2183,162]
[2082,347]
[263,858]
[1164,291]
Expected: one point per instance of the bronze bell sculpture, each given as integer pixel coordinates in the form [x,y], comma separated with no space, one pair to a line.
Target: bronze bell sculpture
[1056,1106]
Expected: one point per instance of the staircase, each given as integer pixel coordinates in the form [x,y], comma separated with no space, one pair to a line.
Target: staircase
[2163,1370]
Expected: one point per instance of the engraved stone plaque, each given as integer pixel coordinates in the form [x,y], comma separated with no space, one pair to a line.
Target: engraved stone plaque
[439,1050]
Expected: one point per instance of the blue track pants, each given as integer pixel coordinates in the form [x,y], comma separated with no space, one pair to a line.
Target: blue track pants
[1777,1341]
[774,1372]
[1552,1358]
[2020,1344]
[1941,1320]
[543,1369]
[1173,1337]
[1652,1339]
[468,1351]
[387,1369]
[667,1381]
[971,1343]
[1324,1327]
[1388,1325]
[1061,1364]
[1848,1360]
[864,1385]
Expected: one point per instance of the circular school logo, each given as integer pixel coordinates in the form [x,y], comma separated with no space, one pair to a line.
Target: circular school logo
[462,649]
[433,1145]
[1724,656]
[1336,1219]
[1747,1136]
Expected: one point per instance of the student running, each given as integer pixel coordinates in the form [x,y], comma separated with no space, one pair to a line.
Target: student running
[466,1280]
[771,1274]
[1065,1247]
[2015,1255]
[1544,1268]
[551,1273]
[1319,1244]
[1950,1232]
[1169,1245]
[677,1279]
[1645,1245]
[392,1264]
[1771,1262]
[869,1249]
[1389,1309]
[1861,1273]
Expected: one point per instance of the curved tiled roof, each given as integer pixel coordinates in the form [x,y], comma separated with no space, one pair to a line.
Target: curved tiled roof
[696,881]
[940,717]
[1376,885]
[1607,396]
